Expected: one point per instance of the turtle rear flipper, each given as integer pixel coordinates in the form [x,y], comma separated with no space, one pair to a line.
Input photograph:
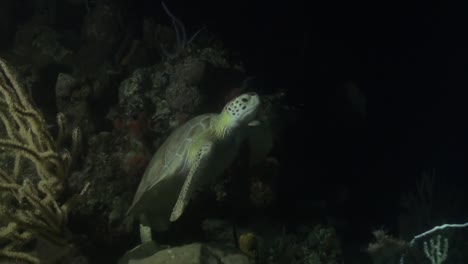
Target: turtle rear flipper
[201,160]
[145,229]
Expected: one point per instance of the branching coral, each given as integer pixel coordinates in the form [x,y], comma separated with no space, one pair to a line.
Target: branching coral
[33,173]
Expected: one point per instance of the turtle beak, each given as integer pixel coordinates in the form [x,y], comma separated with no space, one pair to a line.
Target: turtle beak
[254,123]
[256,101]
[256,119]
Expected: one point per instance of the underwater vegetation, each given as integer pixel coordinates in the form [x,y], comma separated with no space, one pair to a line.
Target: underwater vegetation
[33,176]
[67,181]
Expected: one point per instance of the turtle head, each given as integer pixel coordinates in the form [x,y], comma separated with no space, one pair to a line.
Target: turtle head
[239,112]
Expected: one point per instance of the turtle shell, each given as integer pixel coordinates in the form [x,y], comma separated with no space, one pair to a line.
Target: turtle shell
[161,183]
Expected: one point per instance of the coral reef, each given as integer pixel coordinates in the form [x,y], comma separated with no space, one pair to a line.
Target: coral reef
[248,244]
[385,248]
[126,92]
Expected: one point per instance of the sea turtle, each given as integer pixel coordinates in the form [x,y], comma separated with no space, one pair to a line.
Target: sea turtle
[192,156]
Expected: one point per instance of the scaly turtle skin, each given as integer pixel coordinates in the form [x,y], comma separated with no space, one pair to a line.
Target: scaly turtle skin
[192,156]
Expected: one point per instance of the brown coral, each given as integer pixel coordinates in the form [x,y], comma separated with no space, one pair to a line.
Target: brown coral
[386,247]
[248,244]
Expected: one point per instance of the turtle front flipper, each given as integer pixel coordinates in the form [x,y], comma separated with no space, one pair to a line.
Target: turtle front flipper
[191,182]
